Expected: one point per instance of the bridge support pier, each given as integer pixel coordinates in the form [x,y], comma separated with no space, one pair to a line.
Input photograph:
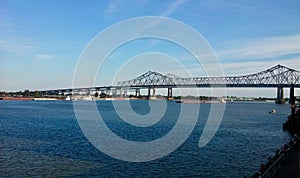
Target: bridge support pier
[108,92]
[121,93]
[170,93]
[149,92]
[292,124]
[114,92]
[280,99]
[137,92]
[153,96]
[292,100]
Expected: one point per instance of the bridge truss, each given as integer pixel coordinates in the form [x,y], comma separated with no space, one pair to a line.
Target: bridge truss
[277,76]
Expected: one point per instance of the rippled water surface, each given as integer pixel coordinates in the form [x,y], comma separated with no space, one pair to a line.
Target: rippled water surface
[43,138]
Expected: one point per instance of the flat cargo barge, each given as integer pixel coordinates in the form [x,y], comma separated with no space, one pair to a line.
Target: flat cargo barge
[15,98]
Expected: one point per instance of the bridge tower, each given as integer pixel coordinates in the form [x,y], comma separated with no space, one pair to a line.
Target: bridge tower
[280,99]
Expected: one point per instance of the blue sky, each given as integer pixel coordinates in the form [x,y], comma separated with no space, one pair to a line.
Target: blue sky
[42,40]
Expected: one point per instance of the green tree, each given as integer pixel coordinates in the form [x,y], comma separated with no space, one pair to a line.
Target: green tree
[26,93]
[102,95]
[36,94]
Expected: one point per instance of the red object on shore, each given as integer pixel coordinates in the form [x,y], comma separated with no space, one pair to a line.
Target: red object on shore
[15,98]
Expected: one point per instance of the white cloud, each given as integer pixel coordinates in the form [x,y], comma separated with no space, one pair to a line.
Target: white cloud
[237,68]
[43,56]
[260,48]
[227,5]
[18,47]
[111,7]
[173,7]
[114,6]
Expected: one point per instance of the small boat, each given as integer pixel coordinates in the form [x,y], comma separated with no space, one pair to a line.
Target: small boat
[223,100]
[178,101]
[273,111]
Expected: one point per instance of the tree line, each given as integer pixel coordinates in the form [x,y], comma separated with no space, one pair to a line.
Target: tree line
[25,93]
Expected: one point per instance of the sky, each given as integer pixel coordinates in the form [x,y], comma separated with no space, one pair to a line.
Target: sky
[42,41]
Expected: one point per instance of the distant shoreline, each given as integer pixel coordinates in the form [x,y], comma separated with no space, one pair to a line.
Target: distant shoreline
[27,98]
[182,100]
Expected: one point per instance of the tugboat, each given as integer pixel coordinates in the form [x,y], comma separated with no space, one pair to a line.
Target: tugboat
[273,111]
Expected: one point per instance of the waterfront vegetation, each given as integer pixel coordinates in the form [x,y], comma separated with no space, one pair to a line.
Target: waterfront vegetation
[25,93]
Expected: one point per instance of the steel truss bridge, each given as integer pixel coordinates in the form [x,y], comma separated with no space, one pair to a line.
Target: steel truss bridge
[276,77]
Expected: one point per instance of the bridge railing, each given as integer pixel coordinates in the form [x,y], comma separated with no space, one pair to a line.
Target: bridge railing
[278,161]
[274,168]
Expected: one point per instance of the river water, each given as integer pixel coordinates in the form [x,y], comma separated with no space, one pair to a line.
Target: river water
[43,138]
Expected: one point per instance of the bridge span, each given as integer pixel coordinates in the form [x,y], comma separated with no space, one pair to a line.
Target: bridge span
[276,77]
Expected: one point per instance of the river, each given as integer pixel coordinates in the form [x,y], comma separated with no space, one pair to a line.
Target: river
[43,138]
